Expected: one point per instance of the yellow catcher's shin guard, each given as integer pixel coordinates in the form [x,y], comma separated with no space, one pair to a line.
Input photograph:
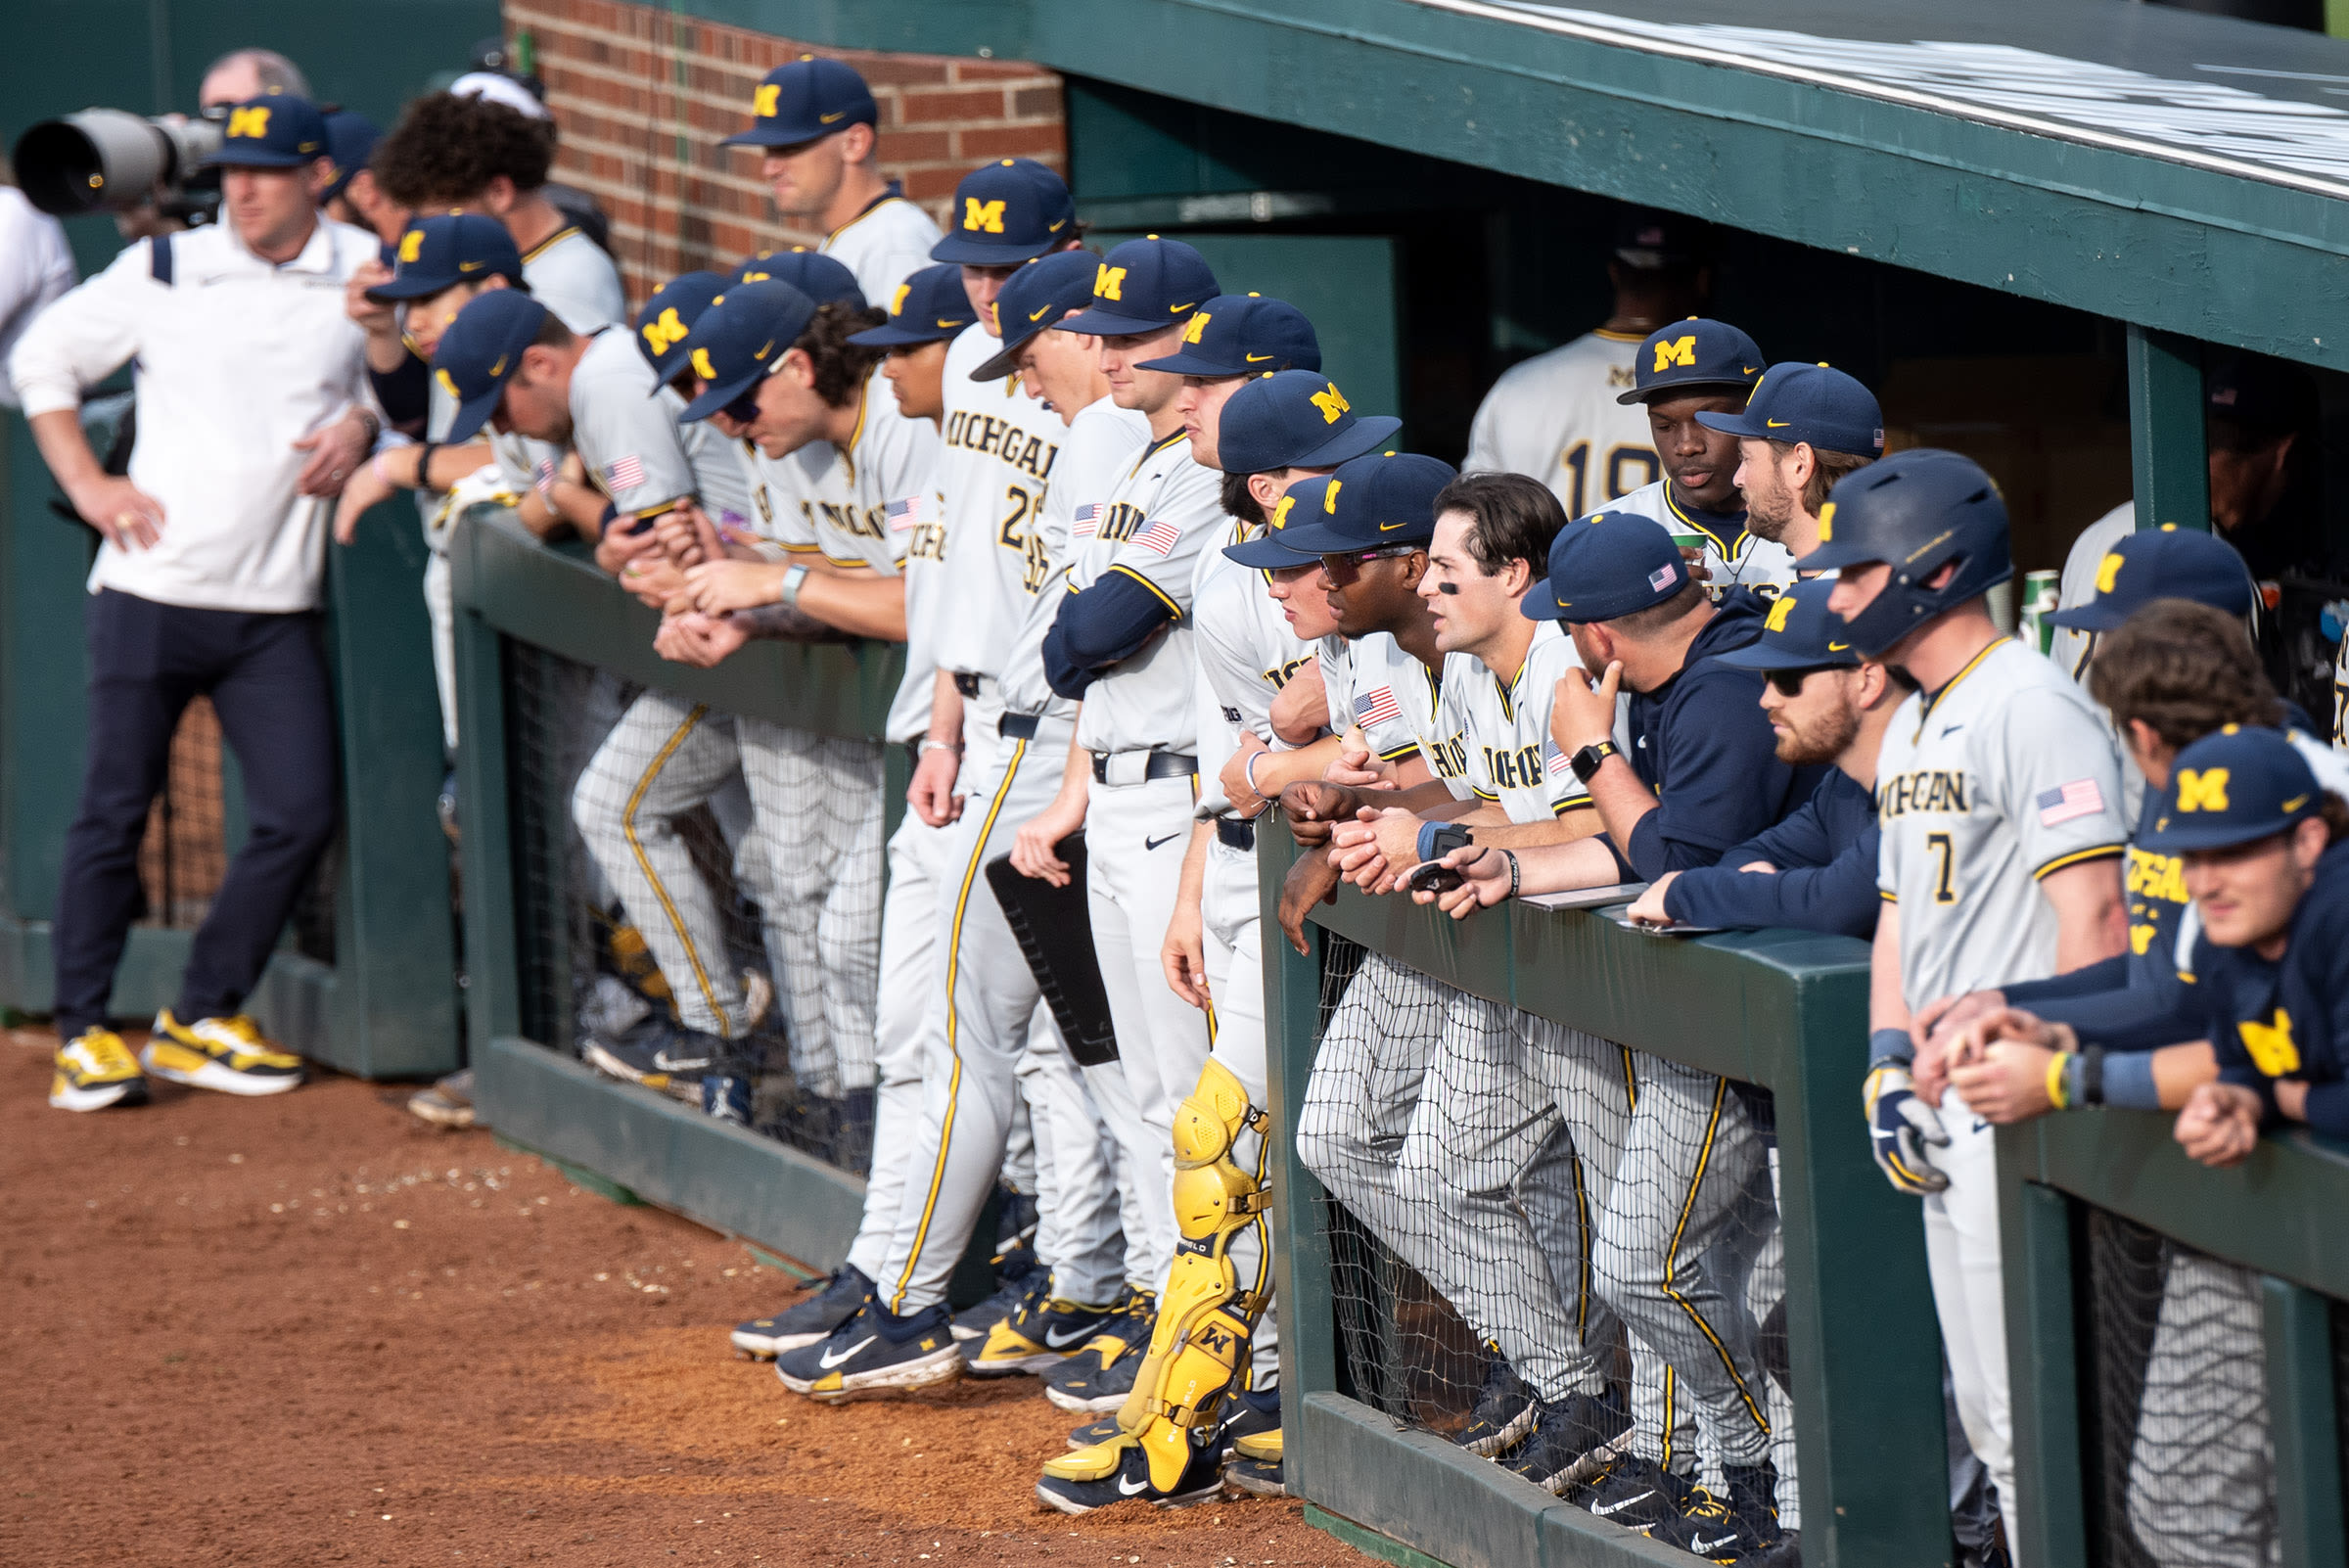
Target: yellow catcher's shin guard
[1096,1463]
[1205,1321]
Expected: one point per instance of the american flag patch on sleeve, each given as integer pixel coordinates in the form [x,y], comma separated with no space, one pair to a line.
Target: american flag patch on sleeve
[2080,798]
[1159,538]
[1086,523]
[624,473]
[1557,761]
[905,514]
[1377,707]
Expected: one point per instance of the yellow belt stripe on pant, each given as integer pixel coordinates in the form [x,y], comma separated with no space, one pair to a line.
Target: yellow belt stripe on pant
[644,863]
[1721,1092]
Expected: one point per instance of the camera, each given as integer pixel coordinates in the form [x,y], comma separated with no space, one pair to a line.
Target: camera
[109,160]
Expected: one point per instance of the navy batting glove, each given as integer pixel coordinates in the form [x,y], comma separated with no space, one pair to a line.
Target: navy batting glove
[1899,1124]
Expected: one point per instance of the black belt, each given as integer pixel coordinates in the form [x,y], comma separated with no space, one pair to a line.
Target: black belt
[1162,764]
[1017,726]
[1236,833]
[967,683]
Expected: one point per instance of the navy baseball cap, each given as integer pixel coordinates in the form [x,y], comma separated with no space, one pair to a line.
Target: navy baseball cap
[480,352]
[2164,563]
[1006,212]
[1614,564]
[1800,632]
[1815,403]
[2233,786]
[667,317]
[807,99]
[1034,300]
[350,139]
[1145,285]
[448,248]
[1242,335]
[1270,550]
[1295,419]
[929,306]
[2264,397]
[276,130]
[1373,502]
[1654,241]
[815,274]
[1697,353]
[741,339]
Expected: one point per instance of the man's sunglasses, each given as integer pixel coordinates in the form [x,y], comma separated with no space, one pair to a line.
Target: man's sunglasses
[1361,558]
[1789,683]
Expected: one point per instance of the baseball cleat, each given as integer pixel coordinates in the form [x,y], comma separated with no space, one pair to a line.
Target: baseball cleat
[1258,1478]
[1570,1441]
[228,1054]
[1094,1432]
[631,1061]
[96,1070]
[1099,1376]
[446,1103]
[1731,1528]
[1503,1412]
[806,1320]
[1248,1419]
[875,1352]
[1635,1492]
[1118,1472]
[1045,1331]
[726,1097]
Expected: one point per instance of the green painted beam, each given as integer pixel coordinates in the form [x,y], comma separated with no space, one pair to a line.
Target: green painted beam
[2303,1422]
[2167,447]
[2043,1372]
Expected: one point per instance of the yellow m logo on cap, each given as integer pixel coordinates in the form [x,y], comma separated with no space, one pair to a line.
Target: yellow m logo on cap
[2203,789]
[2109,571]
[982,216]
[411,245]
[1826,522]
[1109,283]
[765,102]
[1676,351]
[702,366]
[1329,499]
[1280,513]
[897,302]
[1332,402]
[665,333]
[449,385]
[1780,610]
[1191,333]
[253,122]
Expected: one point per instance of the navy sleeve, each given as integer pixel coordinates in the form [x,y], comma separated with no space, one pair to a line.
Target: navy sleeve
[2104,975]
[2132,1018]
[1801,840]
[403,393]
[1839,897]
[1097,627]
[1722,780]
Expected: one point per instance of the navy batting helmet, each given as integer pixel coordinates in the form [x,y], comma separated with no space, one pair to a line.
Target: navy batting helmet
[1916,511]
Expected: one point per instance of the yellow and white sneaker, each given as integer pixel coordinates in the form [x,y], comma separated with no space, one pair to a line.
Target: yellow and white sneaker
[96,1070]
[228,1054]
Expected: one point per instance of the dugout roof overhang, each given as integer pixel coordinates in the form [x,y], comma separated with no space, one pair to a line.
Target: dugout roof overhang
[2180,171]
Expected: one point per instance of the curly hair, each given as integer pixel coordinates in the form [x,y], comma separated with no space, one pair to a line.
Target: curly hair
[446,151]
[840,366]
[2186,669]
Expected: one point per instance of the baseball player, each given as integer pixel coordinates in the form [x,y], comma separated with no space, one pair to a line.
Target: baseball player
[816,123]
[977,1030]
[1686,375]
[1804,427]
[1557,416]
[1997,791]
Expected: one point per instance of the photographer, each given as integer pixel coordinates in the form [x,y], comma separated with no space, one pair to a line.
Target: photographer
[251,419]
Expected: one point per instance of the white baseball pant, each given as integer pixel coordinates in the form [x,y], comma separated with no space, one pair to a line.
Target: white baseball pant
[1961,1254]
[2203,1466]
[1230,911]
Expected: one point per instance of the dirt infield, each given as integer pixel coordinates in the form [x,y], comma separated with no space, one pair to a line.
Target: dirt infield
[312,1330]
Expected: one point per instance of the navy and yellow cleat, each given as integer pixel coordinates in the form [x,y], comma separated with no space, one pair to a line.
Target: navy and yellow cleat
[1093,1433]
[1503,1411]
[874,1354]
[229,1054]
[1044,1332]
[1571,1441]
[96,1070]
[1253,1465]
[1118,1471]
[1098,1377]
[1635,1492]
[808,1319]
[1735,1525]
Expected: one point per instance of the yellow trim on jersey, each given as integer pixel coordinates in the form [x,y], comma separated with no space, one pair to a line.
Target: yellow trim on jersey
[804,549]
[848,453]
[1400,753]
[1160,593]
[1925,708]
[1483,796]
[1618,336]
[878,202]
[1156,447]
[644,863]
[2103,851]
[1672,504]
[1580,802]
[846,563]
[1888,898]
[1704,1157]
[549,243]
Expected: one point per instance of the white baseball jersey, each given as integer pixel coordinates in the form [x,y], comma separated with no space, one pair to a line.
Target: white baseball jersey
[1731,554]
[1001,446]
[1556,417]
[916,517]
[625,427]
[2340,695]
[1351,674]
[1098,447]
[1246,654]
[1511,759]
[570,275]
[1393,691]
[883,244]
[844,500]
[2069,650]
[2004,775]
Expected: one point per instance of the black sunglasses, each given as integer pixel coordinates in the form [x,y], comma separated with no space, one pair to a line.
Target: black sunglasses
[742,410]
[1789,683]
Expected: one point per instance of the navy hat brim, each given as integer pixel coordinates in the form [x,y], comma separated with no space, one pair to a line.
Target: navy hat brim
[714,399]
[1006,360]
[1761,655]
[1101,323]
[1270,553]
[1319,538]
[971,253]
[473,414]
[2220,834]
[1834,556]
[894,336]
[1740,425]
[1190,362]
[1538,603]
[2094,616]
[1657,389]
[417,286]
[1359,440]
[260,158]
[764,136]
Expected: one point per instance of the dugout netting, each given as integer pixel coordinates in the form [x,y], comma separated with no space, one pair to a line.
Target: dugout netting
[1505,1196]
[805,957]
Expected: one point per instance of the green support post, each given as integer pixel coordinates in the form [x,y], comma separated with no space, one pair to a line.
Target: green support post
[2166,443]
[2301,1417]
[2043,1376]
[493,995]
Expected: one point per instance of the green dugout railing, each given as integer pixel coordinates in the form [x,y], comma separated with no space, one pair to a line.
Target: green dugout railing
[1784,1009]
[2278,1214]
[386,1006]
[512,592]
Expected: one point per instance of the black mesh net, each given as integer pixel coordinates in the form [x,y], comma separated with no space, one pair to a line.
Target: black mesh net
[712,926]
[1522,1216]
[2183,1467]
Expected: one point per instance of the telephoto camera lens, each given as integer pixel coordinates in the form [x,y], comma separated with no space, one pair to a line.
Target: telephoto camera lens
[104,159]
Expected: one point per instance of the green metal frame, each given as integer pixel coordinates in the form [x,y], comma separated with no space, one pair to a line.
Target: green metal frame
[1780,1008]
[508,586]
[2276,1214]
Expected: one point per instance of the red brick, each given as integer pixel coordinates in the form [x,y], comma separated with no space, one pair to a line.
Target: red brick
[1037,103]
[993,69]
[1046,142]
[949,105]
[917,147]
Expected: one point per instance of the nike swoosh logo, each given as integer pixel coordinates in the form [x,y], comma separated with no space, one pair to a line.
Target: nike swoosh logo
[1385,527]
[1038,314]
[2295,802]
[1132,1488]
[831,1360]
[1778,424]
[1745,370]
[943,322]
[1152,844]
[1258,358]
[1837,647]
[1951,730]
[1628,1502]
[1185,305]
[1701,1546]
[826,119]
[499,368]
[1054,1339]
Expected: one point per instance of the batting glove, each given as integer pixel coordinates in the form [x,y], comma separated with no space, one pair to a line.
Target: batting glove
[1898,1125]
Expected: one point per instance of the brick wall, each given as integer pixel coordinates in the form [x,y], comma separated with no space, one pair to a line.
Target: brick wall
[642,98]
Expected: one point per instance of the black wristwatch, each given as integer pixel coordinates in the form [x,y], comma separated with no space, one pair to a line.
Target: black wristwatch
[1584,762]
